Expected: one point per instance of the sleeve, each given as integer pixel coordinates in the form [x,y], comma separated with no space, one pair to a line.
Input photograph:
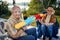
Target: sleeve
[10,30]
[54,18]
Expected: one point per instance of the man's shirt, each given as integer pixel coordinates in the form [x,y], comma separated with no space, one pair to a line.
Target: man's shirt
[10,26]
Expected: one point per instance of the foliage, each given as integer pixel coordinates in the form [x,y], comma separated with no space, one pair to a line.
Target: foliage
[47,3]
[35,6]
[57,12]
[4,11]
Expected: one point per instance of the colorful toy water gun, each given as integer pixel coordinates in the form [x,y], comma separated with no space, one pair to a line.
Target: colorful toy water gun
[37,16]
[28,21]
[24,23]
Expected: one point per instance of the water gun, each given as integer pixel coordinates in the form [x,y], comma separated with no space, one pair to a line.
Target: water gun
[43,13]
[39,16]
[25,22]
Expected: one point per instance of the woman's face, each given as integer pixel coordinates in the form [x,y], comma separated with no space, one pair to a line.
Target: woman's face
[49,10]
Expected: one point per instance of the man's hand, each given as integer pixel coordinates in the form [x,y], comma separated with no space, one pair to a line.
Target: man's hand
[24,28]
[17,34]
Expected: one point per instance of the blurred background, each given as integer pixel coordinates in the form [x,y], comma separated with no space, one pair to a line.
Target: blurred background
[29,7]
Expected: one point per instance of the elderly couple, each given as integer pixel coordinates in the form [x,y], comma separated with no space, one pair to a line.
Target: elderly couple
[47,22]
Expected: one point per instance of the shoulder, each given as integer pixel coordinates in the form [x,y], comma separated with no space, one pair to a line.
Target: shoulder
[54,16]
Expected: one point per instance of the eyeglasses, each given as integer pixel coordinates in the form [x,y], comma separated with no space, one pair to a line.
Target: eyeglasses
[49,10]
[17,11]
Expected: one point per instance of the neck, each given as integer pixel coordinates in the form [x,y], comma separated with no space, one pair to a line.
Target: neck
[15,17]
[49,14]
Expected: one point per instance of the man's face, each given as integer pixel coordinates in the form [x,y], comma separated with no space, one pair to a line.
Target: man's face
[16,13]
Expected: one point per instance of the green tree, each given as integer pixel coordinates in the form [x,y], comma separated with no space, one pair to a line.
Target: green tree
[47,3]
[35,6]
[4,11]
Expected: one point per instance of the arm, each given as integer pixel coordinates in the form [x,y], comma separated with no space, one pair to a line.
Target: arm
[12,33]
[52,21]
[41,21]
[17,34]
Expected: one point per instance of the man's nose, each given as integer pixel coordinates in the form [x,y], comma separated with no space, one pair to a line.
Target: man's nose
[18,13]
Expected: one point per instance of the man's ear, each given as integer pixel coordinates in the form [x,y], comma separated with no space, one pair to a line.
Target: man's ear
[11,11]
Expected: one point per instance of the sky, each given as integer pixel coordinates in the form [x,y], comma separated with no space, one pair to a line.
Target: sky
[18,1]
[20,5]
